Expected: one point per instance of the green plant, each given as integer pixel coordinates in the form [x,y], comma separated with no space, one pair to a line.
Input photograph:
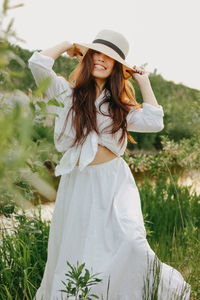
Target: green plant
[23,254]
[184,154]
[154,286]
[78,285]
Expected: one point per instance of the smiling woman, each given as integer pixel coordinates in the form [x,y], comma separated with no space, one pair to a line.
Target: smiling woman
[103,66]
[88,82]
[97,217]
[103,62]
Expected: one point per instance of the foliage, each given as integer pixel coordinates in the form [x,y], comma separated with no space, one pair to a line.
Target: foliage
[171,214]
[184,154]
[169,202]
[181,112]
[77,285]
[23,256]
[63,66]
[26,143]
[26,137]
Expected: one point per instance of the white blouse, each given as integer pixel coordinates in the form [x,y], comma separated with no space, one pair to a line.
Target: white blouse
[147,119]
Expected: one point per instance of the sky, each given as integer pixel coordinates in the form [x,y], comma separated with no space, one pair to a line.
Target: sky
[162,34]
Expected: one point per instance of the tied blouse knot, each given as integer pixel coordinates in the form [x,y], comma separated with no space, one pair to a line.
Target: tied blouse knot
[147,119]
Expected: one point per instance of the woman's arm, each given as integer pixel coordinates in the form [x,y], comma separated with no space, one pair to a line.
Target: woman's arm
[55,51]
[41,65]
[150,117]
[145,88]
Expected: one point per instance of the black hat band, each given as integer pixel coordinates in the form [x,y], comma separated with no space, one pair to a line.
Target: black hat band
[111,45]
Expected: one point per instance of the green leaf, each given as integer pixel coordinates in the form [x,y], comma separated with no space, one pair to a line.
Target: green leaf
[5,6]
[11,55]
[63,291]
[81,268]
[44,84]
[41,104]
[32,107]
[16,74]
[9,25]
[53,101]
[87,275]
[61,104]
[62,92]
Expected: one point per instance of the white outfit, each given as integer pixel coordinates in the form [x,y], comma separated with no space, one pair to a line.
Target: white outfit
[97,217]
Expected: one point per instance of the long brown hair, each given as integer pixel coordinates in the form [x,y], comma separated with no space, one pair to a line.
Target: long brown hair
[121,96]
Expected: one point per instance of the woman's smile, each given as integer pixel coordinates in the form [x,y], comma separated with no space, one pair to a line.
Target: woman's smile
[99,67]
[103,66]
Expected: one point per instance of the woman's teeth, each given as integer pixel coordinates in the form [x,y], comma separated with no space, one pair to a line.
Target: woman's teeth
[99,67]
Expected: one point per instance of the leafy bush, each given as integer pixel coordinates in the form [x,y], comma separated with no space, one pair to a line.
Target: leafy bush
[184,154]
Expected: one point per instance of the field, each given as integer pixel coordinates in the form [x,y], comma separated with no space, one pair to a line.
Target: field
[28,158]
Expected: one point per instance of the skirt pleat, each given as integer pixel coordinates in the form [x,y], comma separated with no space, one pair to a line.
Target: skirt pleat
[97,220]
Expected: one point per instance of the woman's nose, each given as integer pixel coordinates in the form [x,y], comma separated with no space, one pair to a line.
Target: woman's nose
[101,57]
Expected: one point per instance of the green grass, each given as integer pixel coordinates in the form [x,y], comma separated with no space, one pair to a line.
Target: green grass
[174,224]
[22,257]
[173,231]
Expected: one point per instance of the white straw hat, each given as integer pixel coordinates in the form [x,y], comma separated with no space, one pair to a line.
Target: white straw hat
[112,44]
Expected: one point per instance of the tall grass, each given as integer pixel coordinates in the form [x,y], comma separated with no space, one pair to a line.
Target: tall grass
[173,220]
[23,255]
[174,236]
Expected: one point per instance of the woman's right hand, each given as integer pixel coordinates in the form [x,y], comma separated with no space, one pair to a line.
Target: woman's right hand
[74,51]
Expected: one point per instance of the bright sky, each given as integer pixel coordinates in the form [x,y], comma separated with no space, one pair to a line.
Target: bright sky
[162,33]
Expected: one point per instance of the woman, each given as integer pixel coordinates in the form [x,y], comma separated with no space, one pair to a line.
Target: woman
[97,217]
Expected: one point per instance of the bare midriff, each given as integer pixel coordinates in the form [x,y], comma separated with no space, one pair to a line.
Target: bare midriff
[103,154]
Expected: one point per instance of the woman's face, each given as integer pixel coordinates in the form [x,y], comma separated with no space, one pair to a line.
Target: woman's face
[103,65]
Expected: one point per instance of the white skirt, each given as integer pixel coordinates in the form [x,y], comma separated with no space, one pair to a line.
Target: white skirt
[97,220]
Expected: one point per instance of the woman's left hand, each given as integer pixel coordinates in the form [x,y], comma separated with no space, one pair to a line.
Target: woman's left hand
[140,77]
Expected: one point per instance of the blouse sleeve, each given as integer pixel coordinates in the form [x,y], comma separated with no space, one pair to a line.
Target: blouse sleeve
[149,118]
[41,68]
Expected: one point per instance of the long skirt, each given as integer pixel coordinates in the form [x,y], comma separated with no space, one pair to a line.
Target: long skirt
[97,220]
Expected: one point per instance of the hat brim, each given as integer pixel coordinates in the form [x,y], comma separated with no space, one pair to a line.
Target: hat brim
[107,51]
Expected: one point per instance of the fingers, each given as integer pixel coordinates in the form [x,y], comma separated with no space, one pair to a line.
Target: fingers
[74,51]
[77,51]
[141,72]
